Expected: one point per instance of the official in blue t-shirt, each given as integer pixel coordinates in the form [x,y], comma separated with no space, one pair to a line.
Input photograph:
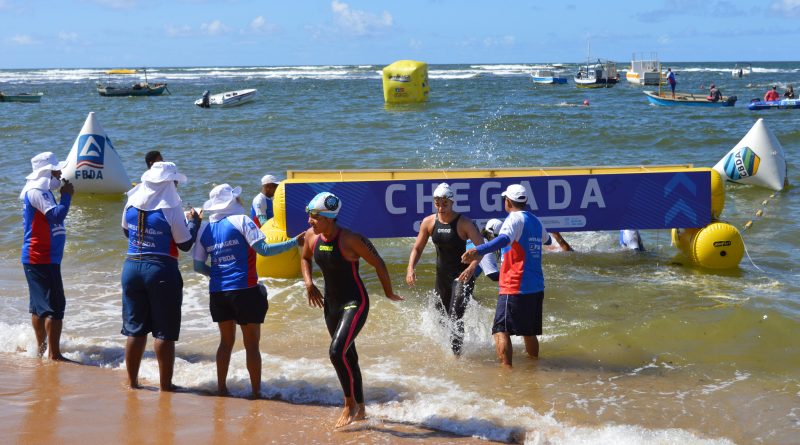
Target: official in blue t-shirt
[232,240]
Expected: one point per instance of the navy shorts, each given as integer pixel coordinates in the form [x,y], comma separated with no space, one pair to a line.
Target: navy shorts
[152,293]
[46,290]
[243,305]
[519,314]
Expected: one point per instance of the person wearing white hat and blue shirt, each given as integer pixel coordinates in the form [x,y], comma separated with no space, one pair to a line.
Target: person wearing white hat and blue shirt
[449,232]
[43,249]
[152,286]
[232,240]
[519,305]
[261,210]
[337,251]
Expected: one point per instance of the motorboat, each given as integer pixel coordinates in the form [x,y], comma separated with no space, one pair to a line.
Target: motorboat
[757,104]
[547,76]
[644,71]
[137,89]
[21,97]
[602,75]
[687,99]
[226,99]
[745,69]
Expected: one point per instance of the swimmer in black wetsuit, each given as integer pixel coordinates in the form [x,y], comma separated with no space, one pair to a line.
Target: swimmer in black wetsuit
[449,231]
[346,304]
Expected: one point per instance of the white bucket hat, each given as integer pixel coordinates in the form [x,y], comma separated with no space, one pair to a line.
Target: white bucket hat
[269,179]
[163,172]
[43,162]
[516,192]
[493,226]
[221,197]
[443,190]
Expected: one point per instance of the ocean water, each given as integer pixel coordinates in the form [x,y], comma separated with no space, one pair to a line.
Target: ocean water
[638,348]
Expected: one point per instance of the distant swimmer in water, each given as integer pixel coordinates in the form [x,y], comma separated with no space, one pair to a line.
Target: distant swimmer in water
[631,239]
[449,231]
[337,251]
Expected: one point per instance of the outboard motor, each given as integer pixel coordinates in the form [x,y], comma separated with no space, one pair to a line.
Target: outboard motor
[205,102]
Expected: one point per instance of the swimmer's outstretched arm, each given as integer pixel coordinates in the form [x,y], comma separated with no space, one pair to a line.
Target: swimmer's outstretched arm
[314,295]
[364,248]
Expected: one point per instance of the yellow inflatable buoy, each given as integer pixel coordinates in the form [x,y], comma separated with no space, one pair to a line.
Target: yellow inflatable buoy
[717,194]
[718,245]
[279,207]
[283,265]
[406,81]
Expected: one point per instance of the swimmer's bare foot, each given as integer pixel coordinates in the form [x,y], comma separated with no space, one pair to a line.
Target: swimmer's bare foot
[134,384]
[361,413]
[222,391]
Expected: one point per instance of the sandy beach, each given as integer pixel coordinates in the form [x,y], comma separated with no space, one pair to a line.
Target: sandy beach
[55,403]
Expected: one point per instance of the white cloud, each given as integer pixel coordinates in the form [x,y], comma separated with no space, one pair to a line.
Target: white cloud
[499,41]
[67,36]
[664,40]
[358,22]
[415,44]
[260,24]
[786,7]
[23,39]
[214,28]
[178,30]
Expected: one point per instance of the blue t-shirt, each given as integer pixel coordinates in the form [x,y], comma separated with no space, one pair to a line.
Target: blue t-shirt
[161,232]
[233,261]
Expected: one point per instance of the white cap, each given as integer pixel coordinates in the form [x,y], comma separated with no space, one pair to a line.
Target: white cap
[493,226]
[45,162]
[325,204]
[269,179]
[516,192]
[443,191]
[162,172]
[221,197]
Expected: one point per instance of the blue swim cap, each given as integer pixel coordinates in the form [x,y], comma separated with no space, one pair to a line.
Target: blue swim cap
[325,204]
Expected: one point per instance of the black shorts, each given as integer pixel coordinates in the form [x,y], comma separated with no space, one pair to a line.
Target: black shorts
[519,314]
[152,294]
[243,305]
[46,290]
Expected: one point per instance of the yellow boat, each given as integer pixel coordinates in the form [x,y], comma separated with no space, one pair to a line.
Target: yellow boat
[121,71]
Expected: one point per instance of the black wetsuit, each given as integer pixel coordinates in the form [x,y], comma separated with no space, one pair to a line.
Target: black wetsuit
[449,248]
[346,308]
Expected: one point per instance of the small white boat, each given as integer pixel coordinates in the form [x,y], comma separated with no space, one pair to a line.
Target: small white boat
[644,71]
[745,69]
[226,99]
[547,76]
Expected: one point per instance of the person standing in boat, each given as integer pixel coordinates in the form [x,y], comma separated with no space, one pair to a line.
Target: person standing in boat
[789,93]
[449,231]
[671,80]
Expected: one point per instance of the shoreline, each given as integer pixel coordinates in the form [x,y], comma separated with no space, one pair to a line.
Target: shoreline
[48,402]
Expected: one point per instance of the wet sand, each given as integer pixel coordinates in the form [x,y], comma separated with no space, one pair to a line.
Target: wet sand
[43,402]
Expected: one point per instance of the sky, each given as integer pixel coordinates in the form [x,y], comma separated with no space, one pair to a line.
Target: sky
[166,33]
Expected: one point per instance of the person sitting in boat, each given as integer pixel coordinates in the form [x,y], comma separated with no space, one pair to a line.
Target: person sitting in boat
[714,94]
[205,103]
[772,94]
[789,93]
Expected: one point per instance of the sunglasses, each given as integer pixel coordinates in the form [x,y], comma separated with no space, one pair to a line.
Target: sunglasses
[441,201]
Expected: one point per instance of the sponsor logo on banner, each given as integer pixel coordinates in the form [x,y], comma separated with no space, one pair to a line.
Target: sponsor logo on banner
[742,164]
[91,150]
